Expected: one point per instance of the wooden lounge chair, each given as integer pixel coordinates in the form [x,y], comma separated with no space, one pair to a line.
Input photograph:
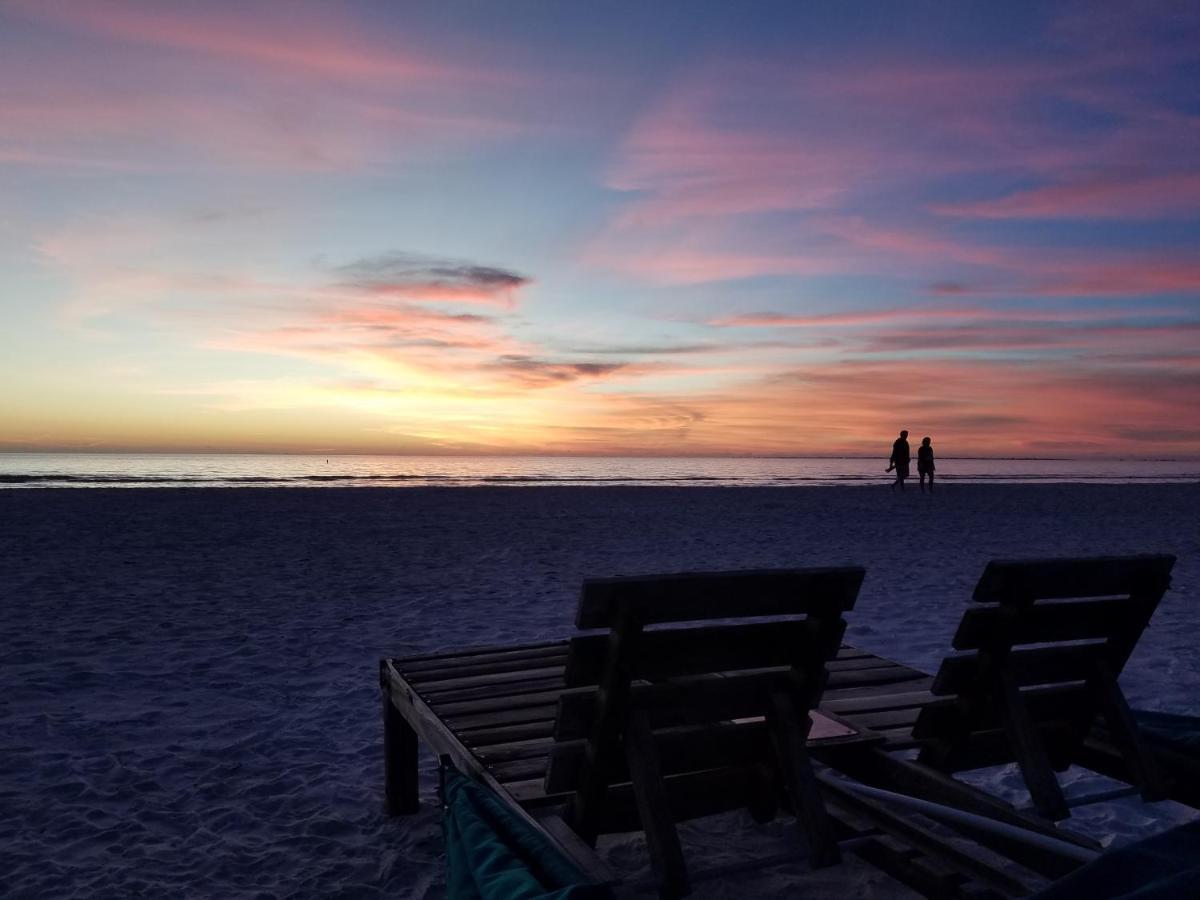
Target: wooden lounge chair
[687,715]
[653,724]
[1045,654]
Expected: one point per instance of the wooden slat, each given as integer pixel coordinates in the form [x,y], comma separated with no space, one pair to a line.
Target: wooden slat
[1042,623]
[688,701]
[689,795]
[680,750]
[484,737]
[887,718]
[429,677]
[994,748]
[850,665]
[520,770]
[445,685]
[486,650]
[876,702]
[1058,578]
[872,678]
[914,681]
[415,667]
[677,652]
[1037,665]
[690,597]
[1071,704]
[452,709]
[465,724]
[507,690]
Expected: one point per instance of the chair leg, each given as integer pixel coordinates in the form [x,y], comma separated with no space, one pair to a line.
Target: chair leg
[662,840]
[1030,753]
[789,733]
[1125,733]
[399,761]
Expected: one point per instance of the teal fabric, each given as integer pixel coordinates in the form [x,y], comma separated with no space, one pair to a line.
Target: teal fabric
[1163,867]
[492,854]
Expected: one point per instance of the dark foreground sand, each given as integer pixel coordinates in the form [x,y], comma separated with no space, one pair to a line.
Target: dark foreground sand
[189,701]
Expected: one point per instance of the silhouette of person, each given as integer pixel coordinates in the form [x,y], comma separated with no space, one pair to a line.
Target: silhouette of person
[925,463]
[899,460]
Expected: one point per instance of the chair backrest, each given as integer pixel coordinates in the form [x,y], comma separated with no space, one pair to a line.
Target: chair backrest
[724,640]
[1046,626]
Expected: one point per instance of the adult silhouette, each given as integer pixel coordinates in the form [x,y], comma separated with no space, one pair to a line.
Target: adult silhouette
[925,463]
[899,460]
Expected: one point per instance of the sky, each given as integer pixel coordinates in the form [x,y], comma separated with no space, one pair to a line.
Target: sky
[600,228]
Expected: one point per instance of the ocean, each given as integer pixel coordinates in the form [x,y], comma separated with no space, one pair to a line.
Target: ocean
[132,470]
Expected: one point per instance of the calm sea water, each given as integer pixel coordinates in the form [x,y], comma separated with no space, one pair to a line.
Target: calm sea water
[31,470]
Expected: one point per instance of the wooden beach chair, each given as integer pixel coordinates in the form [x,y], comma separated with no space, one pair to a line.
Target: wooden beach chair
[1045,649]
[688,715]
[663,715]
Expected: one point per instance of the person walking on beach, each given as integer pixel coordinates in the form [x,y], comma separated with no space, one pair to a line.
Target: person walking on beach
[925,463]
[899,460]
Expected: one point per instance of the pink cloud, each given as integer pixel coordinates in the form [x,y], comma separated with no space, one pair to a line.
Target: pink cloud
[310,89]
[813,176]
[301,40]
[1105,196]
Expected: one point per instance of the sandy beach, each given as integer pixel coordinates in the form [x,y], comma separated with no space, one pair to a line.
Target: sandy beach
[190,703]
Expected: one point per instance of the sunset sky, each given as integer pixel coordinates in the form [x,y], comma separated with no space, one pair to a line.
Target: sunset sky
[642,228]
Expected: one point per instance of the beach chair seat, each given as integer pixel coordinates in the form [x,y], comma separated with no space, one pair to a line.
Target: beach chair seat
[1044,650]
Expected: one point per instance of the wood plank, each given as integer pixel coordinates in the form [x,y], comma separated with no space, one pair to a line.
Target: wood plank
[685,701]
[677,652]
[1070,704]
[1030,750]
[1125,734]
[649,791]
[680,750]
[914,682]
[453,684]
[472,651]
[1044,622]
[431,677]
[994,748]
[788,728]
[485,737]
[863,662]
[521,770]
[511,751]
[849,706]
[452,709]
[463,725]
[885,718]
[411,667]
[687,597]
[1100,576]
[508,690]
[873,678]
[1030,666]
[400,758]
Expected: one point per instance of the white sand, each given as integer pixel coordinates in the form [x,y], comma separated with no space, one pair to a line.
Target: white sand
[189,699]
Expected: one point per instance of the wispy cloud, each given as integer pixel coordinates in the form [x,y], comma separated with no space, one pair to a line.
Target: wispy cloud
[427,278]
[301,88]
